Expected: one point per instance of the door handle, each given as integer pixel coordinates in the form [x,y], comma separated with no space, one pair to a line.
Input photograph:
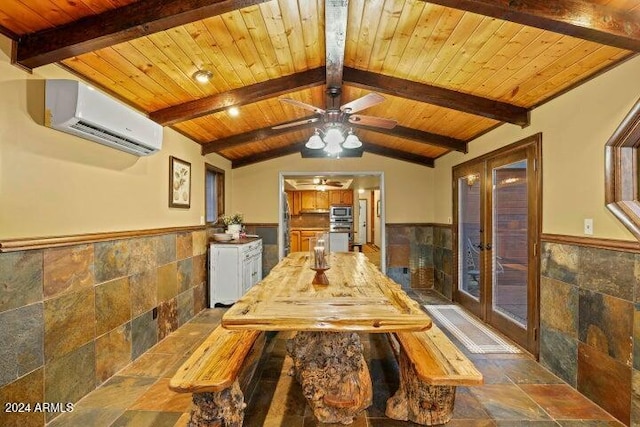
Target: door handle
[479,246]
[488,246]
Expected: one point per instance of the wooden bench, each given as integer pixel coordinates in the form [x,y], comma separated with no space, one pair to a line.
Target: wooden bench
[431,367]
[217,373]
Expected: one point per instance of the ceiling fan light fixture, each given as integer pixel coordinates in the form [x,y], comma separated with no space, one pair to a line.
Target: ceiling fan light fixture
[202,76]
[333,136]
[333,147]
[352,141]
[315,142]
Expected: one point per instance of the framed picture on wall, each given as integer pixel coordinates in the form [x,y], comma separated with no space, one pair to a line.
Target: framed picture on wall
[179,183]
[378,207]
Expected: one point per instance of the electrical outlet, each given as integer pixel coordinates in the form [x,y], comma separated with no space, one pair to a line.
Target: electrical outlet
[588,226]
[448,220]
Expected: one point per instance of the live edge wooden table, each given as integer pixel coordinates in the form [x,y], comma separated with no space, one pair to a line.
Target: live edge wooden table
[326,350]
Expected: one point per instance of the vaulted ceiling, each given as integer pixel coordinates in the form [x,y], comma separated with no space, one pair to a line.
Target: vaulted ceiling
[449,70]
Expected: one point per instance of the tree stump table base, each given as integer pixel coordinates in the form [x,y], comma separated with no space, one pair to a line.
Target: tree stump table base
[333,373]
[220,409]
[418,401]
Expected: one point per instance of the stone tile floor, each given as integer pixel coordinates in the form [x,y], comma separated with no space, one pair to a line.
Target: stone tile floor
[517,391]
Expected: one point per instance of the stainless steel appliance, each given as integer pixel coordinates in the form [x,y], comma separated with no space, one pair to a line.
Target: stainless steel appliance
[341,220]
[286,217]
[340,212]
[341,226]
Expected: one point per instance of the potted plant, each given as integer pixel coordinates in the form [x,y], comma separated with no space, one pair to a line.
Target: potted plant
[233,223]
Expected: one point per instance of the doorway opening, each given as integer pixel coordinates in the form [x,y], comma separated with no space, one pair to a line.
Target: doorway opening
[321,190]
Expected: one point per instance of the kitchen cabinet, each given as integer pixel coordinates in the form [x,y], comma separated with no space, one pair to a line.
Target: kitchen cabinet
[314,200]
[233,269]
[294,241]
[304,239]
[341,197]
[295,200]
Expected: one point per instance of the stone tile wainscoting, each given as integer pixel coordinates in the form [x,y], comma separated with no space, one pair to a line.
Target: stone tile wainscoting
[73,316]
[590,323]
[589,306]
[419,256]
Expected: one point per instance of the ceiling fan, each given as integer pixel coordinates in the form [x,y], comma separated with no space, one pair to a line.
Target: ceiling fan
[345,114]
[322,181]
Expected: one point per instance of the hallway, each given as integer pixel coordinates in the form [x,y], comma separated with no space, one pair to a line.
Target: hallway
[517,391]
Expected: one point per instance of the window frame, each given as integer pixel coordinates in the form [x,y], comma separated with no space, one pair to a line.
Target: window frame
[622,173]
[219,192]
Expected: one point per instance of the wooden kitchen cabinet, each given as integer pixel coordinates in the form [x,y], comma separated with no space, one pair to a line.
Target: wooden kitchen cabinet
[314,200]
[340,197]
[322,200]
[294,241]
[294,199]
[304,239]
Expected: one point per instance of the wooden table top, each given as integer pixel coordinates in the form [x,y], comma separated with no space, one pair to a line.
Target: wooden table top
[359,297]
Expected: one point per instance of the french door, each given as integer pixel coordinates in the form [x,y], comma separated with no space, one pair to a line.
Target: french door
[497,227]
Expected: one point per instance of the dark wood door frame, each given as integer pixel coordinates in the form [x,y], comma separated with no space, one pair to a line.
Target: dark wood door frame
[533,147]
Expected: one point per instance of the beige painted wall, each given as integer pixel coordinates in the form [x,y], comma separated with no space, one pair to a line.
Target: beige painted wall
[255,187]
[575,128]
[52,183]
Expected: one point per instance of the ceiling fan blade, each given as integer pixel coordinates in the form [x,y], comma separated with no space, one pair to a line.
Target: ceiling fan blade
[369,100]
[298,123]
[379,122]
[301,104]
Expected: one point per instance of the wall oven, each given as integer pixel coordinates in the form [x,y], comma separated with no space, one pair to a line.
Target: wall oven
[340,213]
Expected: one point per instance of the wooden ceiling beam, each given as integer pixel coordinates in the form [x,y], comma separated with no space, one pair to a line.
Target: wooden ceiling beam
[258,135]
[267,155]
[399,155]
[439,96]
[237,97]
[336,14]
[583,19]
[419,136]
[137,19]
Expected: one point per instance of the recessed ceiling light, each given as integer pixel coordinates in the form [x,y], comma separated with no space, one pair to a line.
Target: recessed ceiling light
[233,111]
[203,76]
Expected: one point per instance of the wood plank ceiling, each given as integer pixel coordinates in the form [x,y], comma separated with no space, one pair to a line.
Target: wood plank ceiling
[450,70]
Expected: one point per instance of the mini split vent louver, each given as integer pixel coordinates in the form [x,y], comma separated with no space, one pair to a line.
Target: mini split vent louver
[75,108]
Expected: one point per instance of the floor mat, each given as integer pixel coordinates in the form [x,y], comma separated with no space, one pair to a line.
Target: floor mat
[473,334]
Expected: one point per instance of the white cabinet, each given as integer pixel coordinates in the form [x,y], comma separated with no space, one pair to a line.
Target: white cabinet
[233,269]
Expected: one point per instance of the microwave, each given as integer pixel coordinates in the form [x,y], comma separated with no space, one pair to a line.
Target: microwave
[340,213]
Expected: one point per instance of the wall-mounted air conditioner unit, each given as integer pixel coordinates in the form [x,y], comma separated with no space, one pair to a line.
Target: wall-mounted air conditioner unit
[73,107]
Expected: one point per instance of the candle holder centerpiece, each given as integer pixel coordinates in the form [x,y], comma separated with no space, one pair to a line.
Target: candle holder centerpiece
[319,257]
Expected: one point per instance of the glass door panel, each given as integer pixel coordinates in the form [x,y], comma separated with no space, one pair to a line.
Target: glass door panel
[509,255]
[470,268]
[469,229]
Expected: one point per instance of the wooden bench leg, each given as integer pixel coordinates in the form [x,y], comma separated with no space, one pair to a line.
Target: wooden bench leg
[223,408]
[333,373]
[417,401]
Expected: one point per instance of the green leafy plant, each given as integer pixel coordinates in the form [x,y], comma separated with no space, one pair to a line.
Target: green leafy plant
[236,218]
